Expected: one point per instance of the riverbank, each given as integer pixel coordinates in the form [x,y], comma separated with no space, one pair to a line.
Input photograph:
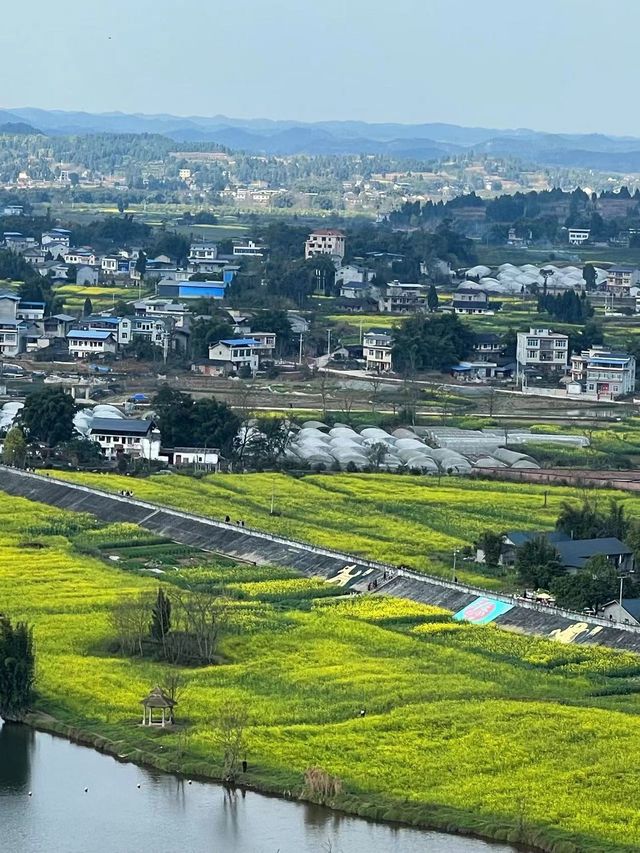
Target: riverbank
[467,729]
[376,809]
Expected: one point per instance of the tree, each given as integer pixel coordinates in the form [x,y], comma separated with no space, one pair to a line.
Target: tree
[592,587]
[141,265]
[14,451]
[590,276]
[431,343]
[130,621]
[491,544]
[587,522]
[276,321]
[537,563]
[230,736]
[376,454]
[17,669]
[161,617]
[82,451]
[48,416]
[206,331]
[87,308]
[184,422]
[267,442]
[432,298]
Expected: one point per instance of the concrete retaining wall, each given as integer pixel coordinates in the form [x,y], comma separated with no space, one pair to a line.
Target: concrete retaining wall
[349,571]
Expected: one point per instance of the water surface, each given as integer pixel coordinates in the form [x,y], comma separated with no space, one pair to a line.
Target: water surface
[129,809]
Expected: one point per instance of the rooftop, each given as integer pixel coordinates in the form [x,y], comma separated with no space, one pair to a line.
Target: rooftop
[90,334]
[121,426]
[238,342]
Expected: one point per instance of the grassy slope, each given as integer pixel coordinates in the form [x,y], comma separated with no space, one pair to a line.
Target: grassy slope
[392,518]
[466,727]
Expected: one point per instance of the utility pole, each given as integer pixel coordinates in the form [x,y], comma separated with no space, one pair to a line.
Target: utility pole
[328,341]
[300,354]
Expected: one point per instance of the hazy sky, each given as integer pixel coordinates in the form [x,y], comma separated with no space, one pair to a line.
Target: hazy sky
[558,65]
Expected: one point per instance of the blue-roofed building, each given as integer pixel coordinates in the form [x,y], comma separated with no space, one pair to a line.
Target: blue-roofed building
[603,374]
[91,342]
[191,289]
[233,354]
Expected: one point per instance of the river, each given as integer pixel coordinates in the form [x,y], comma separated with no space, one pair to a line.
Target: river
[129,809]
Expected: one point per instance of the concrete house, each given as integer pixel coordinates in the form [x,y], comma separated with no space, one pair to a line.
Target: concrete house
[467,300]
[138,438]
[236,353]
[402,298]
[627,611]
[325,241]
[11,328]
[542,349]
[603,374]
[84,343]
[377,346]
[87,275]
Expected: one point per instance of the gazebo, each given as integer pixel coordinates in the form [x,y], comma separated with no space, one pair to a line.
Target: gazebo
[156,702]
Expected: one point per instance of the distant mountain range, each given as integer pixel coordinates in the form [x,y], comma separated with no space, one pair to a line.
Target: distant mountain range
[405,141]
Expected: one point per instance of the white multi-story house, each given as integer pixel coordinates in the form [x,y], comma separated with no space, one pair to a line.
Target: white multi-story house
[377,346]
[109,264]
[249,249]
[31,311]
[620,280]
[86,257]
[235,353]
[466,300]
[203,252]
[542,349]
[578,236]
[603,374]
[84,343]
[325,241]
[402,298]
[265,343]
[17,242]
[11,329]
[58,237]
[137,438]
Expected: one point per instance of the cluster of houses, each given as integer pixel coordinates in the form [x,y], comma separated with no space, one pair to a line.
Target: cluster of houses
[54,257]
[25,327]
[597,373]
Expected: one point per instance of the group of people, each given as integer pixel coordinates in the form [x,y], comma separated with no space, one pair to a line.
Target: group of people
[125,493]
[239,522]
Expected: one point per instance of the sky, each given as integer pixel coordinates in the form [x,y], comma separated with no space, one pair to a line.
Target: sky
[553,65]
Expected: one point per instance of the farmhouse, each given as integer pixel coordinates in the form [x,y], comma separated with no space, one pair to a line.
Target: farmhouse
[91,342]
[236,353]
[139,438]
[627,611]
[573,554]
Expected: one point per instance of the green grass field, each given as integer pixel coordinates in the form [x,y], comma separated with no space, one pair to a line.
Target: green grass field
[398,519]
[466,728]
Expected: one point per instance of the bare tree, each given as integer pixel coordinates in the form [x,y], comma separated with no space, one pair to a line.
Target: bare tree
[347,401]
[244,405]
[175,685]
[324,391]
[375,383]
[230,736]
[130,620]
[198,619]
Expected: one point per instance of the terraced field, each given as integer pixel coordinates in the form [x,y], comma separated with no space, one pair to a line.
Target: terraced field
[406,520]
